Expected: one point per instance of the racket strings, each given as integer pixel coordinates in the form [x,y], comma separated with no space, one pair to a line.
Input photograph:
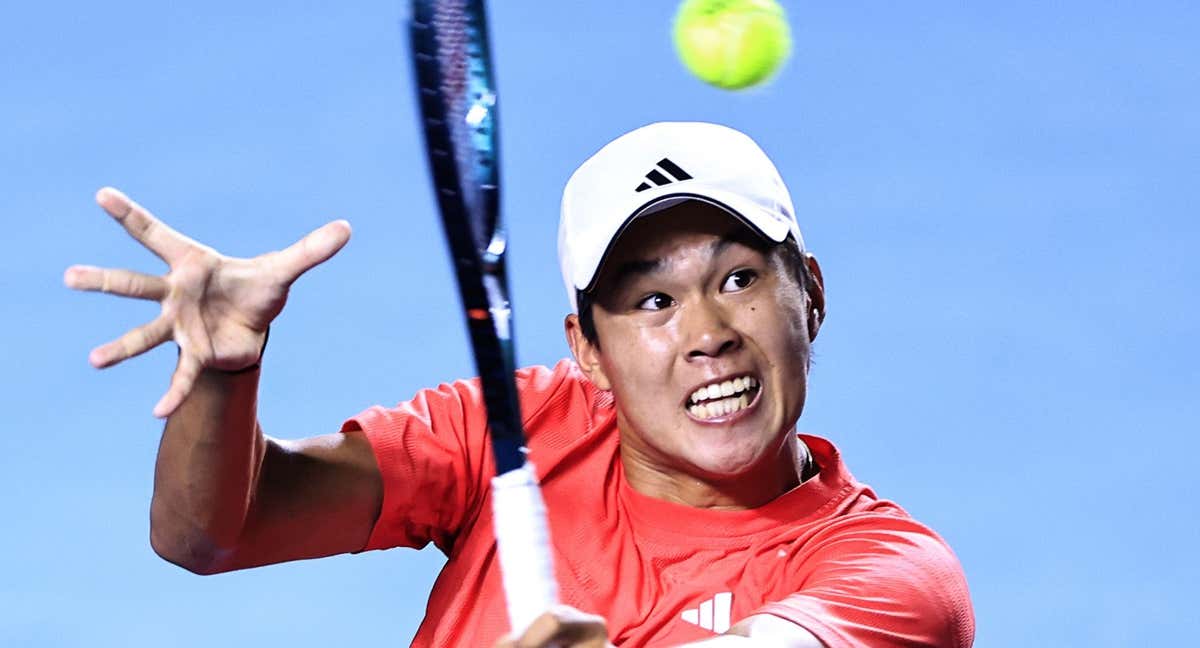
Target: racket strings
[465,86]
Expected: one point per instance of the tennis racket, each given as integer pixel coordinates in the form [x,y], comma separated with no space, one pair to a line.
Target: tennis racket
[457,98]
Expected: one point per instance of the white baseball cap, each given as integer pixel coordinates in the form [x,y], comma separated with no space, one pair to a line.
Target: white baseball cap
[658,166]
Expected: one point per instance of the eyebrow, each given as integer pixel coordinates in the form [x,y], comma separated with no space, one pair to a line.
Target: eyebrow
[642,267]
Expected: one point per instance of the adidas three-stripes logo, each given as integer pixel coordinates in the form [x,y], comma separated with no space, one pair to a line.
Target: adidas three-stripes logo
[656,175]
[712,614]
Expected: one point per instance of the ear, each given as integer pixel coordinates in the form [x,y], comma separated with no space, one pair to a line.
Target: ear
[587,354]
[816,296]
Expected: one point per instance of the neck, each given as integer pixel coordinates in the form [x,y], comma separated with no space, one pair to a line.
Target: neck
[776,475]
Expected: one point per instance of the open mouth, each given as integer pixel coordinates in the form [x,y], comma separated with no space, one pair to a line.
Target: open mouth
[723,397]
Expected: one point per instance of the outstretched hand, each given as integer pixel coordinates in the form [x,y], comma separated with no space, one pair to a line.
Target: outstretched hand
[216,308]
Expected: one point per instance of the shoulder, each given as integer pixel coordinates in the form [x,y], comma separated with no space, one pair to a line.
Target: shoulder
[561,387]
[870,564]
[538,385]
[884,569]
[542,391]
[560,403]
[873,531]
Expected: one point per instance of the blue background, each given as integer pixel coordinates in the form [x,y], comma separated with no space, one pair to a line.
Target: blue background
[1003,197]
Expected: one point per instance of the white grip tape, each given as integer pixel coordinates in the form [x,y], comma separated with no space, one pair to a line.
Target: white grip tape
[523,542]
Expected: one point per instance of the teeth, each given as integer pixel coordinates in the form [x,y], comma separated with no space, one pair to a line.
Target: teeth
[720,407]
[724,389]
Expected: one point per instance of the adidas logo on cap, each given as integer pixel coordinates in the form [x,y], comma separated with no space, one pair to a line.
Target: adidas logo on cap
[656,175]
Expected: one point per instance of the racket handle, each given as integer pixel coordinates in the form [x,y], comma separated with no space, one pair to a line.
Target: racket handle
[523,543]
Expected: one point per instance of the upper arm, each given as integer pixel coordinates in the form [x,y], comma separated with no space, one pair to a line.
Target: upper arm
[313,497]
[435,458]
[401,476]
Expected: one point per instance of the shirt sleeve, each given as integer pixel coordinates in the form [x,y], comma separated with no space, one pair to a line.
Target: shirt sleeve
[435,458]
[881,581]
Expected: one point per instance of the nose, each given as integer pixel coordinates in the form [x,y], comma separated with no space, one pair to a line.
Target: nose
[709,332]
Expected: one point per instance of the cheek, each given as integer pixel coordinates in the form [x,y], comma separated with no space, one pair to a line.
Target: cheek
[792,309]
[626,339]
[779,327]
[637,362]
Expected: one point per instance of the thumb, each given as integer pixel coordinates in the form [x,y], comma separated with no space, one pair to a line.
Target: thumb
[312,250]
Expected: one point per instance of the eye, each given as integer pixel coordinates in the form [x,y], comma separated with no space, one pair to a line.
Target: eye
[738,280]
[656,301]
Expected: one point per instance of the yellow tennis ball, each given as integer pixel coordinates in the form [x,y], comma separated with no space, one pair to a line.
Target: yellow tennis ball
[732,44]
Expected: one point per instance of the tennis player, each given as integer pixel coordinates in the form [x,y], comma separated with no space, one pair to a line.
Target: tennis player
[684,506]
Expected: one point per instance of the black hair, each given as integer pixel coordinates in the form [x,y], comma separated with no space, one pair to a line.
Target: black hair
[793,260]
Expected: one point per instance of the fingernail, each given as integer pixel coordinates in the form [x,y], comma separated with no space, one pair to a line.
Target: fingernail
[106,196]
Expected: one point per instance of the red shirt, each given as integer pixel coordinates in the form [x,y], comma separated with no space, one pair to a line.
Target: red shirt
[828,555]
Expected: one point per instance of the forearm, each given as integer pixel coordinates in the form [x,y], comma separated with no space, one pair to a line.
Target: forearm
[207,469]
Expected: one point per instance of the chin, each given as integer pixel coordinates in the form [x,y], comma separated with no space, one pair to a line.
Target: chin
[727,462]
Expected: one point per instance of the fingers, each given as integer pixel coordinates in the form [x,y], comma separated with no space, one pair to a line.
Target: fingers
[116,282]
[312,250]
[181,385]
[148,230]
[562,626]
[135,342]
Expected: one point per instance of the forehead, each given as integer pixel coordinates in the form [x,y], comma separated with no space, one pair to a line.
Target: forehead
[652,243]
[688,224]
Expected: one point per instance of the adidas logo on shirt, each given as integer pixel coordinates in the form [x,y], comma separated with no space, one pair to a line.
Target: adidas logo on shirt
[712,614]
[656,175]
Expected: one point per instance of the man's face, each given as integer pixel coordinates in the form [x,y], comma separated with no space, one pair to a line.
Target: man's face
[703,338]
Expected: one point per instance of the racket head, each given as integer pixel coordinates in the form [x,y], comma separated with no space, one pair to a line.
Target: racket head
[458,101]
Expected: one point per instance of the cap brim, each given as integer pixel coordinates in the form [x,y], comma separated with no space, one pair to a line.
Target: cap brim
[748,212]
